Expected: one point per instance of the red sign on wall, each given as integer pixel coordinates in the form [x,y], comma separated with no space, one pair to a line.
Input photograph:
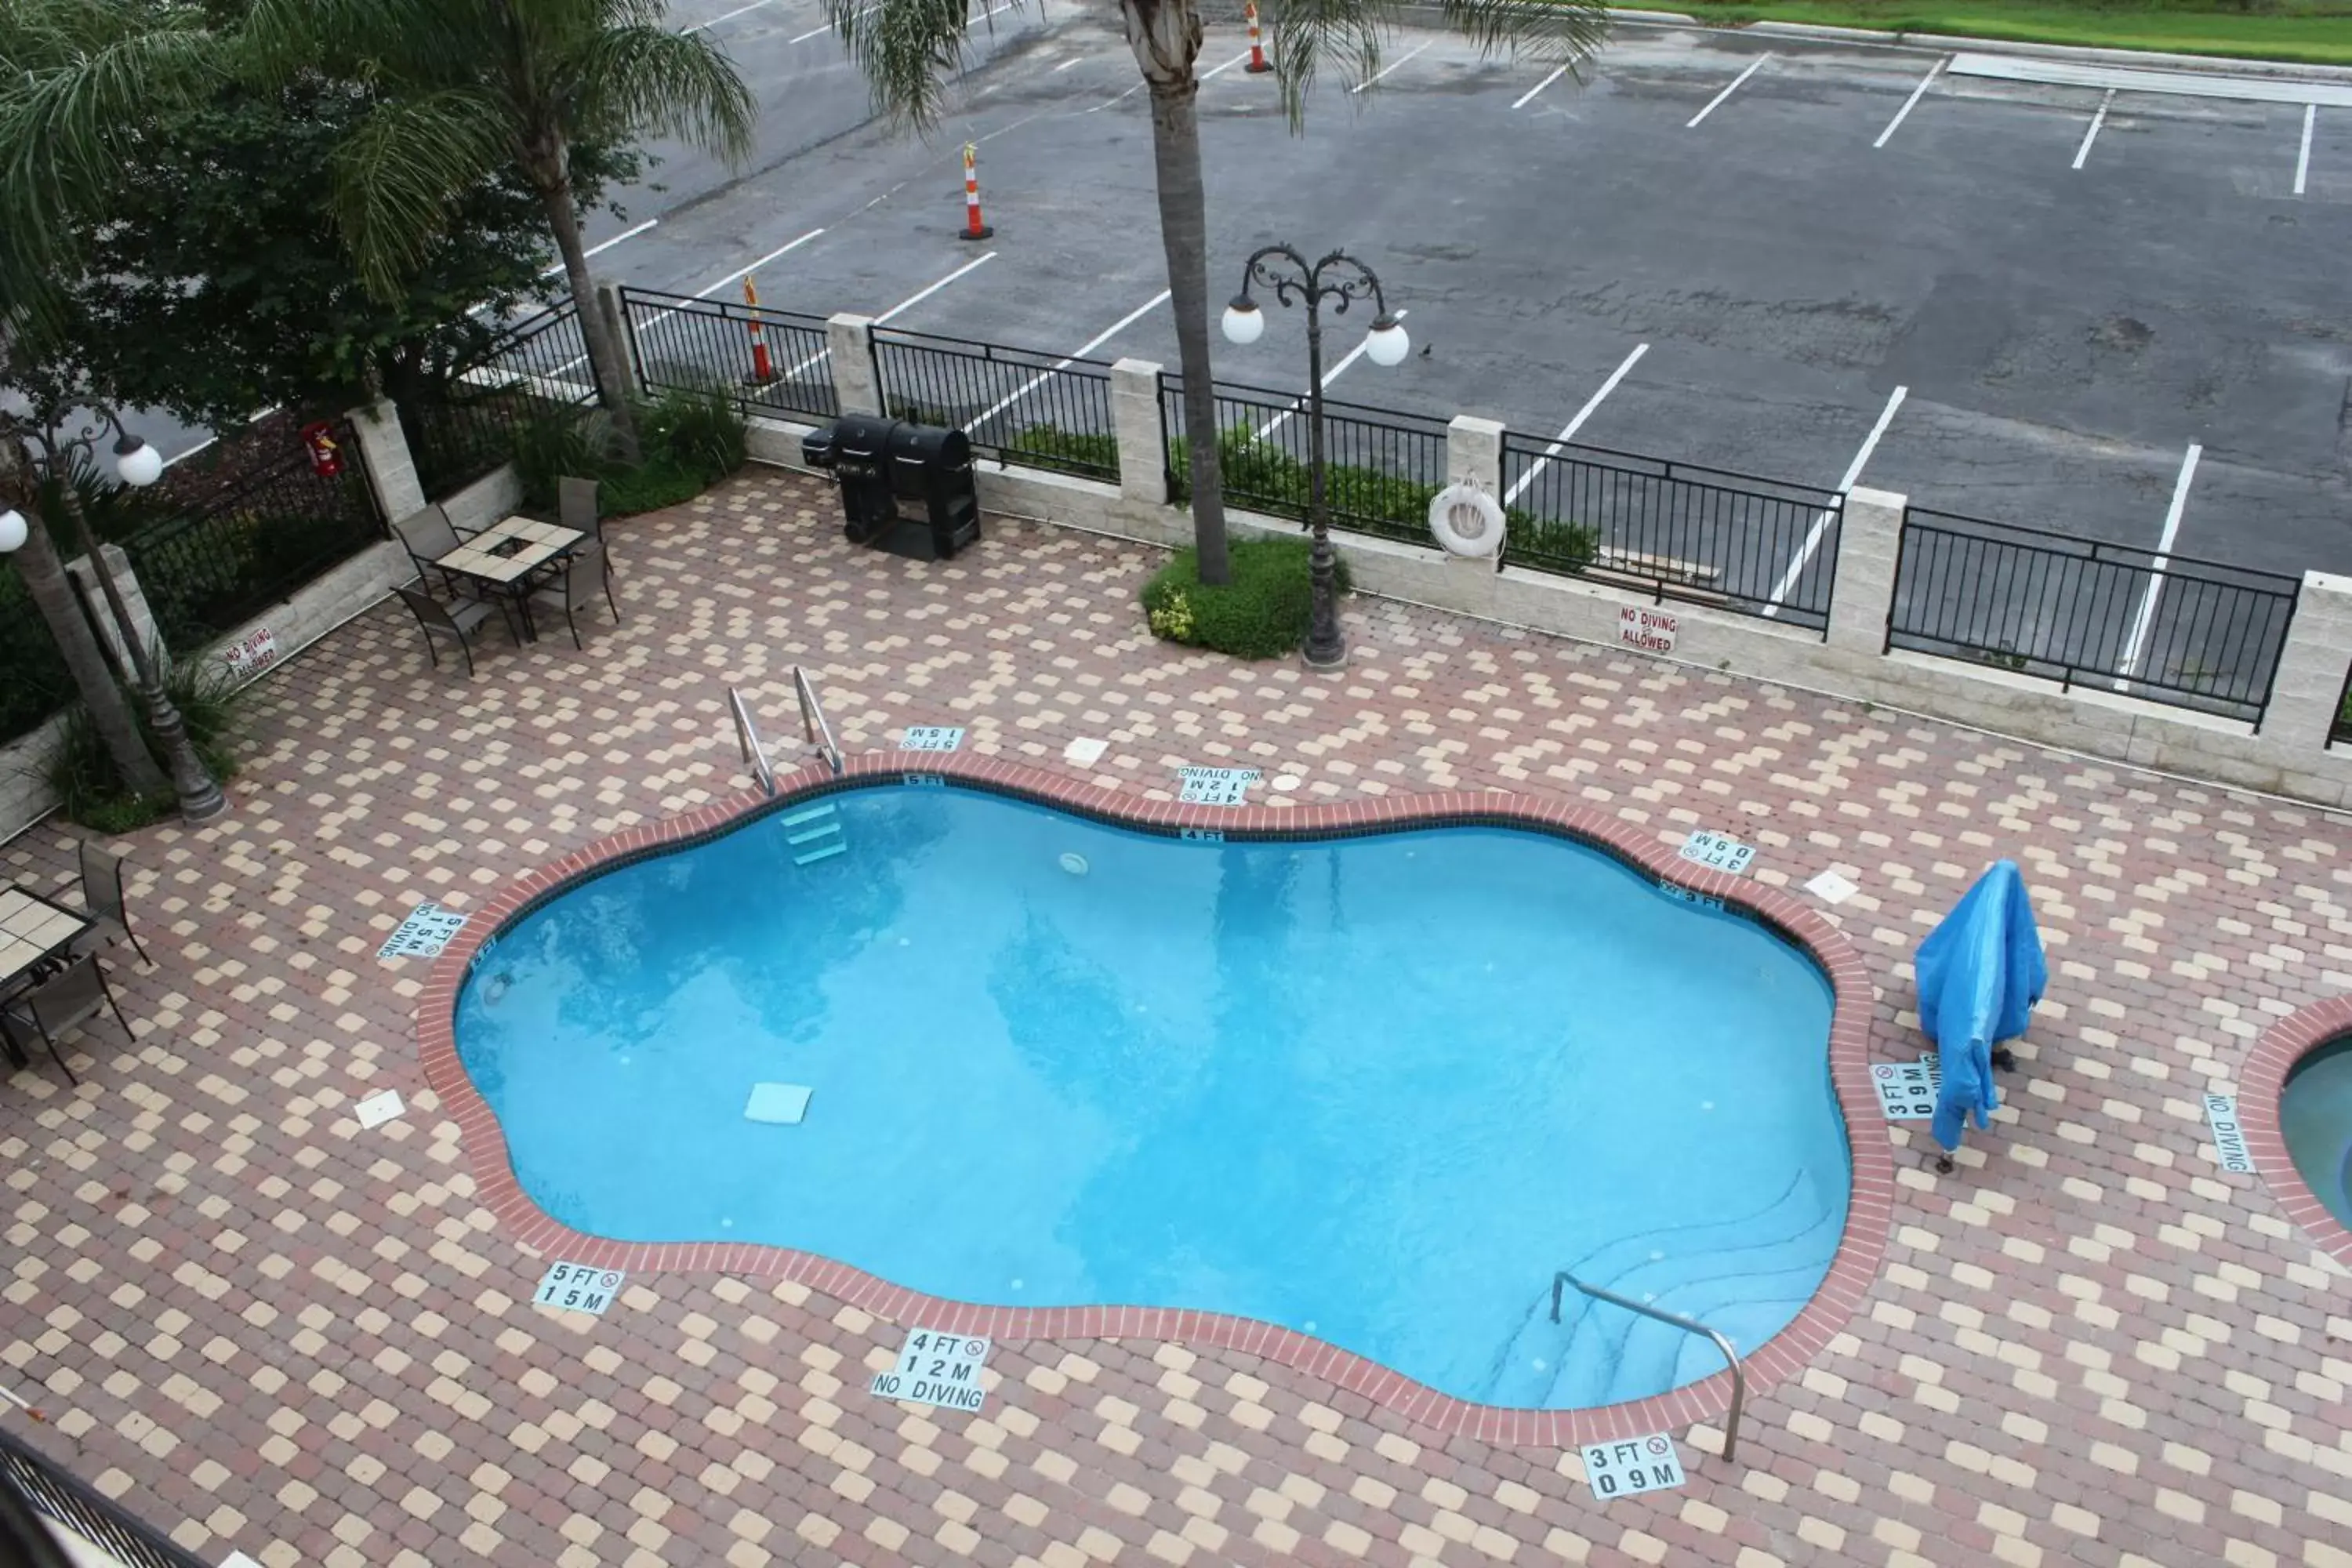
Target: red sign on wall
[326,452]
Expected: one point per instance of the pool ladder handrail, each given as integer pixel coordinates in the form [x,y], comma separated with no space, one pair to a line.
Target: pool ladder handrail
[755,756]
[813,719]
[1689,1326]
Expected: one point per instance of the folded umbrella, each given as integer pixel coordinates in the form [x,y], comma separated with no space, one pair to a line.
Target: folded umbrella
[1981,973]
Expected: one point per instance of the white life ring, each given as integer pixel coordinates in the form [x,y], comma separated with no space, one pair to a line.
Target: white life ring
[1466,520]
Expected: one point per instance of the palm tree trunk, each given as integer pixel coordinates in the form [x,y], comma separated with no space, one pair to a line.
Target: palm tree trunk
[109,711]
[554,184]
[1165,36]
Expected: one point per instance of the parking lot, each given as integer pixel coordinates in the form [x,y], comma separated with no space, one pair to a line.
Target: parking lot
[1828,264]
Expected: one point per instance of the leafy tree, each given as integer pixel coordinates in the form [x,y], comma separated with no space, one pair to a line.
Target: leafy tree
[908,48]
[468,88]
[217,282]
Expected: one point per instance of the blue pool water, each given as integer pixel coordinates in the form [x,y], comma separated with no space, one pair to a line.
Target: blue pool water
[1376,1089]
[2315,1122]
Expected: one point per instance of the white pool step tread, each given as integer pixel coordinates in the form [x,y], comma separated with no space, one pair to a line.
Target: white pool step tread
[810,835]
[821,809]
[814,856]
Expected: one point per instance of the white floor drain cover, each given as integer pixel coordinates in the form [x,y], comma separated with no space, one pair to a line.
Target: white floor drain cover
[782,1104]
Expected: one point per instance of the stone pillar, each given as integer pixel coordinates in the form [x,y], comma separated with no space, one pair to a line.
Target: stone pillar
[1870,538]
[1141,425]
[384,457]
[851,342]
[2312,665]
[1474,450]
[616,322]
[102,614]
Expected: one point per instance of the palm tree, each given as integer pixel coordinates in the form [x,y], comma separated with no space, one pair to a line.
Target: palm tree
[75,78]
[908,48]
[472,85]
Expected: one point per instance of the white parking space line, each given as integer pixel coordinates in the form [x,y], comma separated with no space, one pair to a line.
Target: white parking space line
[2092,135]
[1082,350]
[1913,101]
[1353,354]
[1073,60]
[2144,618]
[908,303]
[557,267]
[1813,536]
[731,16]
[1387,67]
[2303,159]
[1568,432]
[814,32]
[1756,66]
[1527,97]
[1217,71]
[786,248]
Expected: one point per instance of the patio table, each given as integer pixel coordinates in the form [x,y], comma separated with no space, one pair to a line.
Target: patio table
[33,931]
[504,558]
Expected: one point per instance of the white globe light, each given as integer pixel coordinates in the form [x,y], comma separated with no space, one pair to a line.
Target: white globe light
[139,463]
[1387,343]
[13,532]
[1244,322]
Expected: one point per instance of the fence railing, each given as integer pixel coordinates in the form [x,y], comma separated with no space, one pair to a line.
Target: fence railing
[536,368]
[253,545]
[2194,633]
[1034,410]
[34,683]
[680,344]
[1737,541]
[1384,467]
[2340,728]
[48,1491]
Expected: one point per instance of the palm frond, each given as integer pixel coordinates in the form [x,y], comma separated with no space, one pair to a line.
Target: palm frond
[907,50]
[1557,32]
[1304,37]
[633,78]
[399,172]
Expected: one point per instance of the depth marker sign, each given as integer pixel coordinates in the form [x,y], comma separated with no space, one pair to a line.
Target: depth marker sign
[577,1287]
[1635,1466]
[936,1369]
[2229,1138]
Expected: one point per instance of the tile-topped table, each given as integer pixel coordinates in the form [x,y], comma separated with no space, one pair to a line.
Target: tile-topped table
[504,556]
[32,931]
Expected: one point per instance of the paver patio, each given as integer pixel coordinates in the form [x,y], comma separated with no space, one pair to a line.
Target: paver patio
[285,1335]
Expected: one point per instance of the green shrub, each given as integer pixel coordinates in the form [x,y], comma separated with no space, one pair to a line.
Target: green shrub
[1077,451]
[81,770]
[688,441]
[1261,614]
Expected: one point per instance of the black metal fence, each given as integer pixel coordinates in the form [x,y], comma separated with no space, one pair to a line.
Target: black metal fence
[2340,728]
[536,369]
[1036,410]
[1737,541]
[2194,633]
[679,343]
[33,679]
[1384,468]
[49,1490]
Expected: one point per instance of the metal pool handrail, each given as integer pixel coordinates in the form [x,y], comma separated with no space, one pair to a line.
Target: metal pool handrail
[1689,1326]
[813,719]
[748,737]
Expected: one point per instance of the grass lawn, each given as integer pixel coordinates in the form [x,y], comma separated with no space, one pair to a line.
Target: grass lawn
[2312,31]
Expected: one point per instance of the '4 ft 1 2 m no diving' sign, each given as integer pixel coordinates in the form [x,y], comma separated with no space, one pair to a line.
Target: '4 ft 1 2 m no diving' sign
[936,1369]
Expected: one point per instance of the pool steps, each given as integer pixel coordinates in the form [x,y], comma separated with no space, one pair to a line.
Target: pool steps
[818,825]
[1746,1278]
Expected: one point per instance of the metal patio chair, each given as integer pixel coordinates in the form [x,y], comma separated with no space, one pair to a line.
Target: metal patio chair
[585,574]
[101,895]
[576,506]
[64,1001]
[427,534]
[458,621]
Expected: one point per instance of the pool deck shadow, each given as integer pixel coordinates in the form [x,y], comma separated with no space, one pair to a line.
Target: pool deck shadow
[1860,1244]
[272,1330]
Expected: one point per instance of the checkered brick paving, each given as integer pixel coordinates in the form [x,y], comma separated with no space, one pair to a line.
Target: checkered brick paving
[275,1332]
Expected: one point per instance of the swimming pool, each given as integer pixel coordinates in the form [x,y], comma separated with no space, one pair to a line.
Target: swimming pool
[1376,1089]
[2315,1122]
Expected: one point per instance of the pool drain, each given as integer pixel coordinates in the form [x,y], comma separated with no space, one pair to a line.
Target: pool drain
[1074,863]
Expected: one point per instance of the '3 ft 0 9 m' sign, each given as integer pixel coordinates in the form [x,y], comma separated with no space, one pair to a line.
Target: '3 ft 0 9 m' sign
[936,1369]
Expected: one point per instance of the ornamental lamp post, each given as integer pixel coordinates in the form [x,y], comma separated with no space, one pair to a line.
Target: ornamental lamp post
[1342,280]
[138,465]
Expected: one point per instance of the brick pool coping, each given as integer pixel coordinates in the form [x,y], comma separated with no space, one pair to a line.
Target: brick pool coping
[2260,1083]
[1851,1271]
